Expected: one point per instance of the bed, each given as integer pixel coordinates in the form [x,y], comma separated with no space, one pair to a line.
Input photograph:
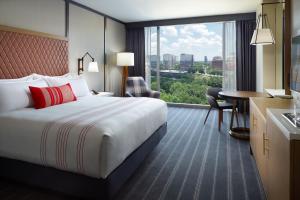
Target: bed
[86,148]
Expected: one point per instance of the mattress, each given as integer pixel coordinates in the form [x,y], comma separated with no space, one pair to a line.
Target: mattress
[91,136]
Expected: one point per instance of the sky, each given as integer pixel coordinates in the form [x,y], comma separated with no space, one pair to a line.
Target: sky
[198,39]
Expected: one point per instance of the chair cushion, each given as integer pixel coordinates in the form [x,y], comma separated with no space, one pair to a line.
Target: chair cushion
[136,86]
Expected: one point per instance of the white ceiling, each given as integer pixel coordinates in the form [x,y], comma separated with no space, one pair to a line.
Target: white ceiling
[144,10]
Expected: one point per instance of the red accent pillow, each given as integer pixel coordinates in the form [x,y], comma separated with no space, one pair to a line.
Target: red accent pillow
[50,96]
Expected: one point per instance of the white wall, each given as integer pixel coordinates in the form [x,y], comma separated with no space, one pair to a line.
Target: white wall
[259,62]
[269,66]
[86,31]
[86,34]
[115,43]
[37,15]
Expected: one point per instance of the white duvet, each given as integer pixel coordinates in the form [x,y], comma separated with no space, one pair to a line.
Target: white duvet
[91,136]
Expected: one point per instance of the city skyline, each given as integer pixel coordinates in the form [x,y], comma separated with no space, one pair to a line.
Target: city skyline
[177,58]
[201,40]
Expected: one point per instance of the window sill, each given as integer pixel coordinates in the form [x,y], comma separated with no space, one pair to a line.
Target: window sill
[187,105]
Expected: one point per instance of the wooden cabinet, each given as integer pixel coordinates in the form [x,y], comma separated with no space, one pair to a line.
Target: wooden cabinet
[295,169]
[277,158]
[278,163]
[283,162]
[258,141]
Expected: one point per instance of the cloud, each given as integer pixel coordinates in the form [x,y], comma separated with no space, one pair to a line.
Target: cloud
[163,40]
[170,31]
[175,45]
[196,39]
[196,29]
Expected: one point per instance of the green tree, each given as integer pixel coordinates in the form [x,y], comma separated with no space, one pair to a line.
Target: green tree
[186,88]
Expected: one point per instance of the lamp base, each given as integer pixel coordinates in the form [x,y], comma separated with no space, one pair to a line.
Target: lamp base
[80,66]
[124,79]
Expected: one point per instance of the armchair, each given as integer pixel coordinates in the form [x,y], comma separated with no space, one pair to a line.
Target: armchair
[137,87]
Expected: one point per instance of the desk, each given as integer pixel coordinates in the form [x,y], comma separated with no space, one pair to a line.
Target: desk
[239,132]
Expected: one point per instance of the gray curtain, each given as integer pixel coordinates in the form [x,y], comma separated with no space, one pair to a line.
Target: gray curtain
[135,42]
[246,56]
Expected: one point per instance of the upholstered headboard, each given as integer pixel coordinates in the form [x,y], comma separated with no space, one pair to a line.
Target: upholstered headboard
[24,52]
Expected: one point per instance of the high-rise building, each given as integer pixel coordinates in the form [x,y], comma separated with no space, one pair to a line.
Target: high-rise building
[169,61]
[153,61]
[205,60]
[217,62]
[186,61]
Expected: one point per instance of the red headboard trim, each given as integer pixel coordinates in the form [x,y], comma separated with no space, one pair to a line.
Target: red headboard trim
[25,52]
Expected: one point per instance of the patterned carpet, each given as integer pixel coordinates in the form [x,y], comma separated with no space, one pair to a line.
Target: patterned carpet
[193,161]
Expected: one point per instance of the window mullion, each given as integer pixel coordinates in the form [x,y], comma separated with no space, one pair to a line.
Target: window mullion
[158,58]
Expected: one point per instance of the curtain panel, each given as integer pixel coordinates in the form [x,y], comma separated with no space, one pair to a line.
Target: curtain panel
[135,42]
[229,56]
[148,55]
[246,56]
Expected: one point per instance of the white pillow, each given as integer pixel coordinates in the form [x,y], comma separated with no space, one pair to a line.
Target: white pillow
[67,75]
[25,78]
[16,95]
[79,85]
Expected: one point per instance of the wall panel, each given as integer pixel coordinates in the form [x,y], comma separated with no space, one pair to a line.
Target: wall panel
[115,42]
[86,34]
[37,15]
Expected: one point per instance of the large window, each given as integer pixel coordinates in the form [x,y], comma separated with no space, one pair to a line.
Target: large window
[184,60]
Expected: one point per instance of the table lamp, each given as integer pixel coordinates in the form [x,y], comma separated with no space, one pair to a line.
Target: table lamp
[125,59]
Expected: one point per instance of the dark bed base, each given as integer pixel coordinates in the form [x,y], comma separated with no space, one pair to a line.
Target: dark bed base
[75,184]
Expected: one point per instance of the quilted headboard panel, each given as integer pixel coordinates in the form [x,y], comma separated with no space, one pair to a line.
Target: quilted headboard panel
[25,52]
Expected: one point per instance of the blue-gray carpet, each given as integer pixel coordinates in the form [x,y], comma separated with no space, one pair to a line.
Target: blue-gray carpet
[196,161]
[193,161]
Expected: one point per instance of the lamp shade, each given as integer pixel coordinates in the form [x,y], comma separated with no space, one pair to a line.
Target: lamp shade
[93,67]
[262,36]
[125,59]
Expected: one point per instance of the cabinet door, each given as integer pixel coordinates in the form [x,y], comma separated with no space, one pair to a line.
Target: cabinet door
[257,142]
[253,128]
[278,163]
[261,149]
[295,175]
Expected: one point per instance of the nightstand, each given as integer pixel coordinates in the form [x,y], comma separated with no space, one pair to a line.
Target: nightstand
[105,94]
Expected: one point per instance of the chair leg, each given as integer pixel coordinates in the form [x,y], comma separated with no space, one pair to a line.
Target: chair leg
[237,117]
[220,118]
[207,115]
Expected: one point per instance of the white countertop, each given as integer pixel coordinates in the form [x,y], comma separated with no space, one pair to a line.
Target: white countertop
[274,92]
[291,132]
[278,93]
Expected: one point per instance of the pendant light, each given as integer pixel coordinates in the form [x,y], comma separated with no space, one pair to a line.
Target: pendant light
[264,35]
